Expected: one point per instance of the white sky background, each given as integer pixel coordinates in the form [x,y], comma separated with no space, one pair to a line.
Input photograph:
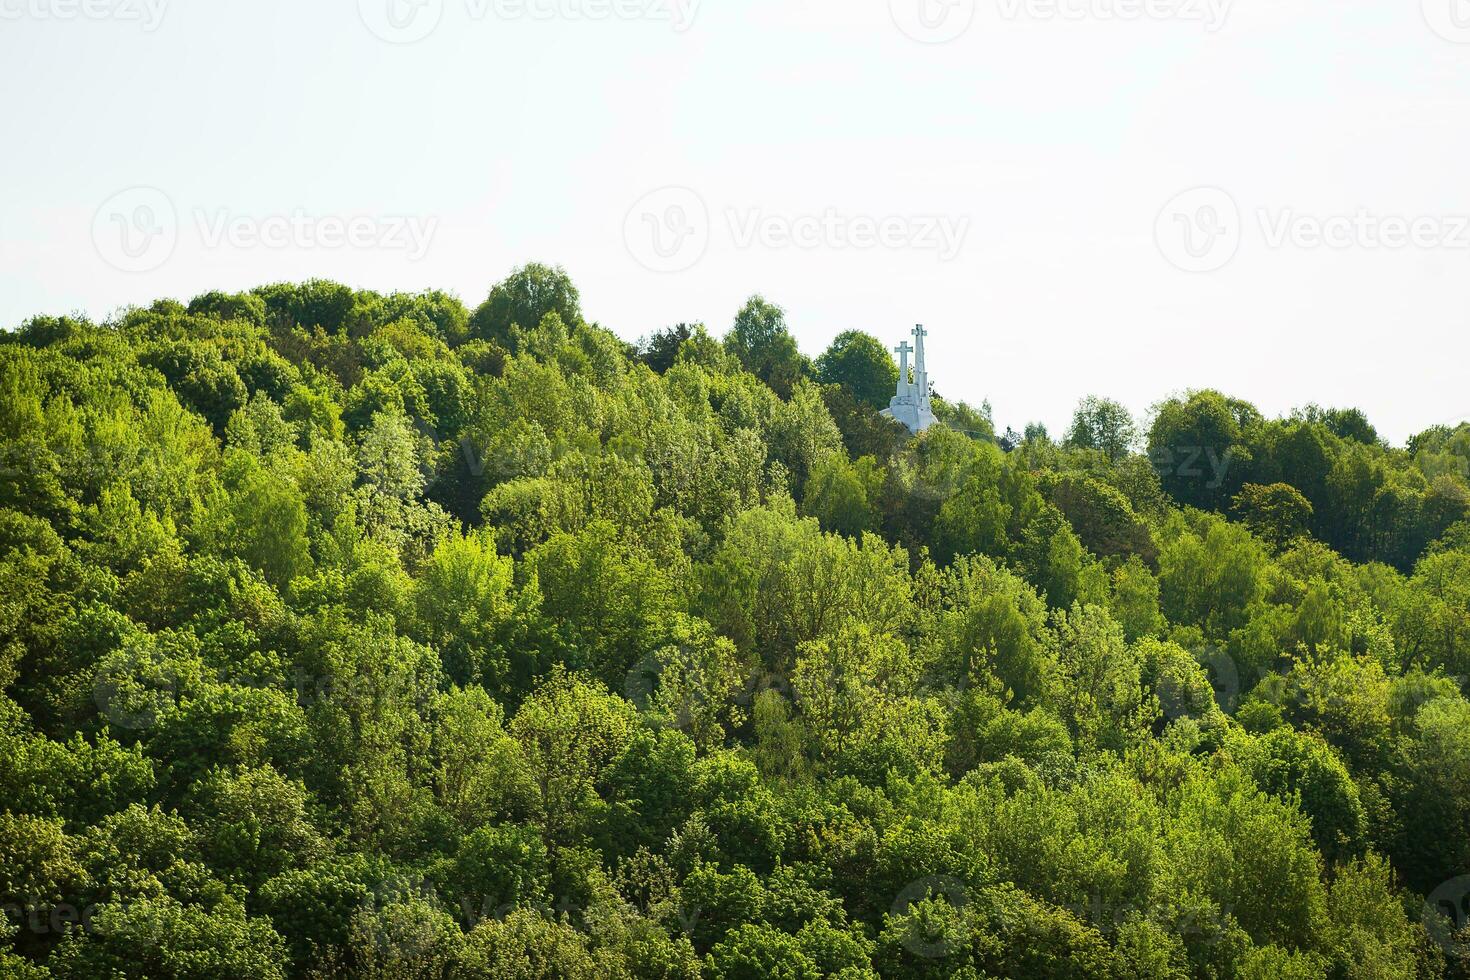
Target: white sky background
[533,137]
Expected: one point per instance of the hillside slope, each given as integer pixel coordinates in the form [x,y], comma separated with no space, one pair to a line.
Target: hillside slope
[372,636]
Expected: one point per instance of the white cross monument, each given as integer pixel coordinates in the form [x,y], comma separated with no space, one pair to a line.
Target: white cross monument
[910,404]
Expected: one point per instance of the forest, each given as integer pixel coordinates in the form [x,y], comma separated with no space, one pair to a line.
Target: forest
[347,634]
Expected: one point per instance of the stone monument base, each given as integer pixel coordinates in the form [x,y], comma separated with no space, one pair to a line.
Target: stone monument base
[916,418]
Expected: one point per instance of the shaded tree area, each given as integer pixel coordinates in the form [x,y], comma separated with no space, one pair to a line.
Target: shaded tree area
[359,635]
[1368,501]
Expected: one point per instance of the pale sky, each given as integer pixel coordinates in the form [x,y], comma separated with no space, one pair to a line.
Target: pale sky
[1008,172]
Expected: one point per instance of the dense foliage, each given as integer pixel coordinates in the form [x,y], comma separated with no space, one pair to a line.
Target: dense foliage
[351,635]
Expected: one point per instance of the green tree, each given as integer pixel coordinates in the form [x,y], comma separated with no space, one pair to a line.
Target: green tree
[1104,425]
[1135,600]
[463,600]
[861,362]
[756,952]
[522,299]
[1198,447]
[265,523]
[495,870]
[480,771]
[1371,936]
[762,345]
[1250,854]
[837,495]
[660,350]
[254,824]
[570,732]
[1101,697]
[525,946]
[159,937]
[1277,513]
[1291,765]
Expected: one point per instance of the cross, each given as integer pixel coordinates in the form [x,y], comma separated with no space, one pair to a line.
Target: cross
[904,350]
[920,332]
